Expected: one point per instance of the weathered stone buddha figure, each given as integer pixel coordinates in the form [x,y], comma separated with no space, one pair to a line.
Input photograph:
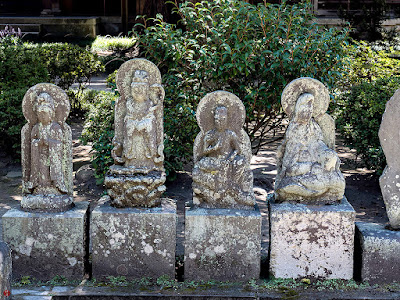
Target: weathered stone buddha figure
[139,145]
[307,164]
[222,153]
[46,150]
[137,176]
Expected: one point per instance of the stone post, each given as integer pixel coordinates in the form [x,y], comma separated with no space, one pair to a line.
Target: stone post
[47,234]
[134,232]
[380,244]
[5,271]
[311,223]
[223,226]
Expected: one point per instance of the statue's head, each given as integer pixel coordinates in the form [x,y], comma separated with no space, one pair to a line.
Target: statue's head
[221,118]
[44,108]
[140,86]
[304,108]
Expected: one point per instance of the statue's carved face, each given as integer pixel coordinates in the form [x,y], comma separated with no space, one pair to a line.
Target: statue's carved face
[45,108]
[304,108]
[140,86]
[221,118]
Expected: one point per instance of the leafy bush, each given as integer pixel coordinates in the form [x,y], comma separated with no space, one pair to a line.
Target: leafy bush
[359,114]
[109,43]
[98,130]
[20,68]
[368,62]
[251,51]
[68,64]
[24,65]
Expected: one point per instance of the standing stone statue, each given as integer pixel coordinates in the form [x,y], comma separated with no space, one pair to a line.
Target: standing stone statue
[389,136]
[222,151]
[137,176]
[46,150]
[307,164]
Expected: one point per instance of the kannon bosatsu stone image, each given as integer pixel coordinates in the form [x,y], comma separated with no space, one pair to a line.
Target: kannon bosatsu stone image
[46,150]
[222,152]
[137,176]
[307,164]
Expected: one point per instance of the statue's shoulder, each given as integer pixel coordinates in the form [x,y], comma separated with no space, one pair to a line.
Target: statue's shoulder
[55,127]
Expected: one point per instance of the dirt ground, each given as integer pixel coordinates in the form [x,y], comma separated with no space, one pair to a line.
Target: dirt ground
[362,187]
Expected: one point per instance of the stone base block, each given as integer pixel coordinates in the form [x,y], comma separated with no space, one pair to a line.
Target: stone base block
[380,253]
[47,244]
[312,241]
[222,244]
[133,242]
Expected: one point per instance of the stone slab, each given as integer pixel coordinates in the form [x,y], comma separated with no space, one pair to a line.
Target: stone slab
[133,242]
[222,244]
[312,241]
[47,244]
[380,253]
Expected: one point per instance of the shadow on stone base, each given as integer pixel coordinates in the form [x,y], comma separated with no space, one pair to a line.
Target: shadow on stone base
[380,253]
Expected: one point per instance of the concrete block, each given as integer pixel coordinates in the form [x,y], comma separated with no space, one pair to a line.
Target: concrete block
[47,244]
[312,240]
[133,242]
[380,253]
[222,244]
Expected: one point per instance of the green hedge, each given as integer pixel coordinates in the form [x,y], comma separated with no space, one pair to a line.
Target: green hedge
[24,65]
[358,116]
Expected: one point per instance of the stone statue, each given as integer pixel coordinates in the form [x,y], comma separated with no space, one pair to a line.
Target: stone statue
[389,136]
[222,151]
[137,176]
[307,164]
[46,150]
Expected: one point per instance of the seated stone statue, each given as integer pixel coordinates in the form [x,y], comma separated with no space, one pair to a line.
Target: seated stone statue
[221,174]
[308,170]
[137,176]
[46,150]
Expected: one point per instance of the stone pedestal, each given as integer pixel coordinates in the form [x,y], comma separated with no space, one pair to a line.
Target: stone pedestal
[133,242]
[380,253]
[222,244]
[47,244]
[312,241]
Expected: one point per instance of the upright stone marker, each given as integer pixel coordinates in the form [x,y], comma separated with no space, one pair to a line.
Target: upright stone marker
[380,245]
[5,271]
[47,236]
[309,238]
[223,228]
[134,233]
[389,136]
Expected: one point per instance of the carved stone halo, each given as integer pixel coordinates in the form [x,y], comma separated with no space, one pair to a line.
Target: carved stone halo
[127,71]
[61,103]
[206,109]
[305,85]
